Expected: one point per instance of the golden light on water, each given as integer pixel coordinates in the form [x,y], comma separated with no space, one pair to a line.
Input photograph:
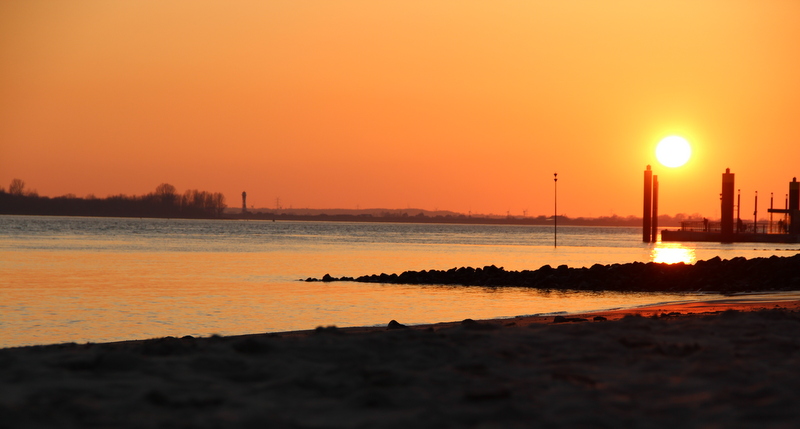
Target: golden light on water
[672,253]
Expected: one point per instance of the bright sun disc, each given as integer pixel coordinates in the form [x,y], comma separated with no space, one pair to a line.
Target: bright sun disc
[673,151]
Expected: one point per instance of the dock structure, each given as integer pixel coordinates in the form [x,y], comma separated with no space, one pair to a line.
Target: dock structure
[728,231]
[792,209]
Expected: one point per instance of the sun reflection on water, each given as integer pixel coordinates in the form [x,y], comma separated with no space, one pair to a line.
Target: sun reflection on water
[672,253]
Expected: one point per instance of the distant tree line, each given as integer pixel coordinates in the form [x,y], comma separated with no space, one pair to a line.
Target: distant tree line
[164,202]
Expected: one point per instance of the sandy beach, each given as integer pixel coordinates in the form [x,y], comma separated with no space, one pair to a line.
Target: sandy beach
[715,364]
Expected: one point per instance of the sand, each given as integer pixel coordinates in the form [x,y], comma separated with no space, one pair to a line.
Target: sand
[727,364]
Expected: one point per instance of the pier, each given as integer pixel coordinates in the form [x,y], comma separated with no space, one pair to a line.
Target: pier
[734,230]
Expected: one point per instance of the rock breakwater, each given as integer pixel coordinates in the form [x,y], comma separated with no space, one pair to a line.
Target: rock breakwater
[713,275]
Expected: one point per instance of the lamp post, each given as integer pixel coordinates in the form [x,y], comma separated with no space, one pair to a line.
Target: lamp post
[555,209]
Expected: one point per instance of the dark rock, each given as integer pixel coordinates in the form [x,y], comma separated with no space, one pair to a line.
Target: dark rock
[714,275]
[394,324]
[328,330]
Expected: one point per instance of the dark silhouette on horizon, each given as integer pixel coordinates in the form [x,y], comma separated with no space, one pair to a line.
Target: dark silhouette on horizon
[165,202]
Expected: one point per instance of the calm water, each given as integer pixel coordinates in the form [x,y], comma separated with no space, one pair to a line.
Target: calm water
[107,279]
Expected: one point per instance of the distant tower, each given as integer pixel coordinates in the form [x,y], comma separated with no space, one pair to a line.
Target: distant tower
[244,202]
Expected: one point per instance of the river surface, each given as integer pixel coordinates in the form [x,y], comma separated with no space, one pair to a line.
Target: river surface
[75,279]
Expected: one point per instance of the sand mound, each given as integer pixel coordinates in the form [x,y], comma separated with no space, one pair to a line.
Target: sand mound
[735,369]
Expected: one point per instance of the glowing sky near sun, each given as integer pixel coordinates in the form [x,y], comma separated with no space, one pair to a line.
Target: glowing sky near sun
[453,105]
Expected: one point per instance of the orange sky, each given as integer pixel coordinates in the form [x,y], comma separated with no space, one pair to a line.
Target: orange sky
[450,105]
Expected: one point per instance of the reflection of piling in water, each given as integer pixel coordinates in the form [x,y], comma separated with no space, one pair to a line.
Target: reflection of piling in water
[726,222]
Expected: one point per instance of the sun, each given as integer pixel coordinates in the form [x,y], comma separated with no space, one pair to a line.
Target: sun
[673,151]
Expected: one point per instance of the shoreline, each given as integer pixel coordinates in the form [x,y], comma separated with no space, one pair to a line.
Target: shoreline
[714,363]
[705,307]
[699,308]
[688,309]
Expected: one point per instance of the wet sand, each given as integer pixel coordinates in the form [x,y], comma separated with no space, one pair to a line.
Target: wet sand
[716,364]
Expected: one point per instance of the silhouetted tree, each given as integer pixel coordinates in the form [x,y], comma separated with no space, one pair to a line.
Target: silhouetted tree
[166,198]
[17,187]
[201,203]
[219,203]
[166,193]
[164,202]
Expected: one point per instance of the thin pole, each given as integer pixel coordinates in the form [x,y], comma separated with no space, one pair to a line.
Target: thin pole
[755,215]
[555,210]
[738,210]
[770,212]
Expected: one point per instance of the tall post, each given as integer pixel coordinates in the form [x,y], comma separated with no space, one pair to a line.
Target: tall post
[794,206]
[738,210]
[755,215]
[727,206]
[555,209]
[244,202]
[647,205]
[786,215]
[770,212]
[655,209]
